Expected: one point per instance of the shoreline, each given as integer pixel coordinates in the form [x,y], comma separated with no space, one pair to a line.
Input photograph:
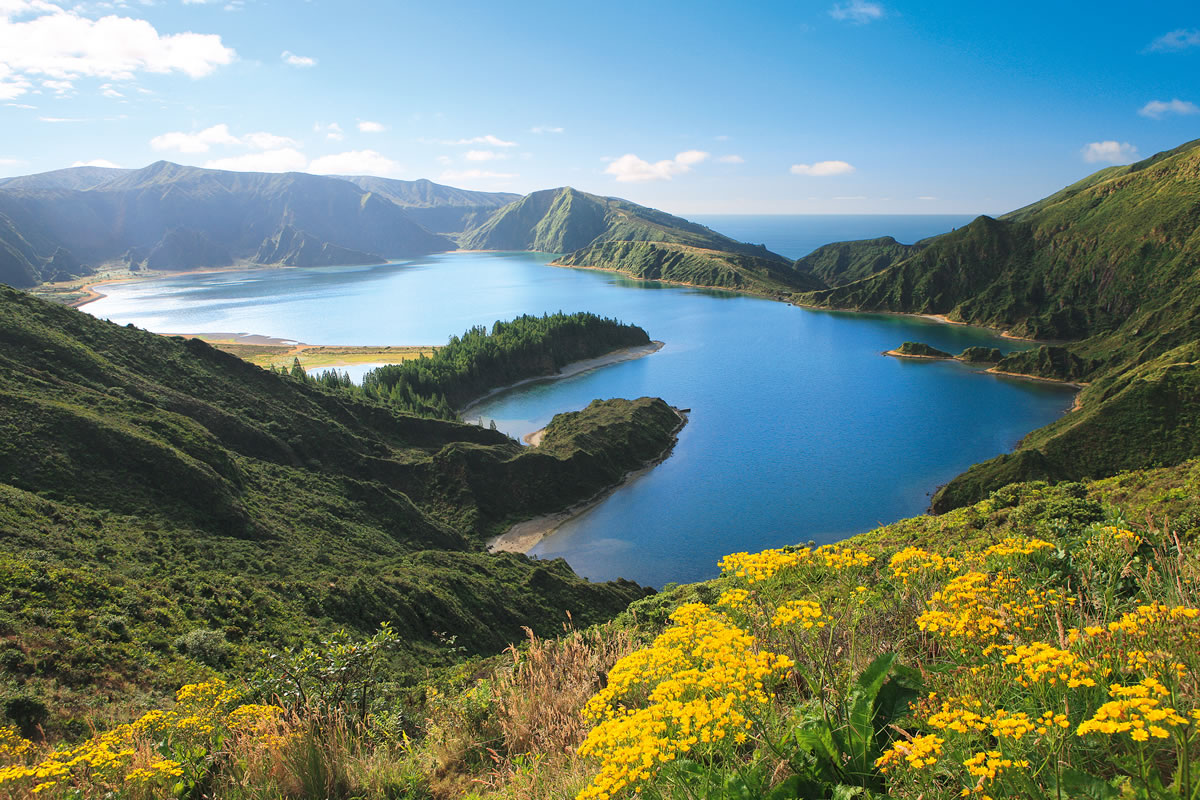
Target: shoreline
[524,536]
[615,271]
[569,371]
[898,354]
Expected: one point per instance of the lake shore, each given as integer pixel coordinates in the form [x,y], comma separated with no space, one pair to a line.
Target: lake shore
[570,370]
[524,536]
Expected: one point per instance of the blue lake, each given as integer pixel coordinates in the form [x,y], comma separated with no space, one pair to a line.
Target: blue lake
[799,429]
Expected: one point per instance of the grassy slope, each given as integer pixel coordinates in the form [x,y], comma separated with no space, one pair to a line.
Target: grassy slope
[845,262]
[154,486]
[609,233]
[1110,262]
[691,265]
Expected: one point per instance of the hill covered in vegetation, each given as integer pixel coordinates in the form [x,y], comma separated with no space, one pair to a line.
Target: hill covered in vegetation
[1040,643]
[168,217]
[169,509]
[1111,267]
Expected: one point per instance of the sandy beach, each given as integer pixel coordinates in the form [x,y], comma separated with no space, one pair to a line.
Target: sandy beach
[570,370]
[898,354]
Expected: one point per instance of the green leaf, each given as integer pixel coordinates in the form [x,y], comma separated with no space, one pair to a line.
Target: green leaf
[1076,784]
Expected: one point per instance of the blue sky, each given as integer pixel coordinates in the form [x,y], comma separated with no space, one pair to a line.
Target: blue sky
[696,107]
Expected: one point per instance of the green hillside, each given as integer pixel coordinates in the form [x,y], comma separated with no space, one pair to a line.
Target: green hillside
[169,509]
[695,266]
[845,262]
[1110,267]
[168,216]
[566,219]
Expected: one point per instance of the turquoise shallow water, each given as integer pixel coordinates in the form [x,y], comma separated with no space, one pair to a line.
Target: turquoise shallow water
[799,428]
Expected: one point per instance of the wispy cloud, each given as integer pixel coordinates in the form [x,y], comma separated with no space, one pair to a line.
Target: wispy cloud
[1157,109]
[367,126]
[39,38]
[1180,39]
[293,60]
[355,162]
[733,158]
[488,139]
[860,12]
[332,131]
[64,119]
[287,159]
[926,197]
[823,168]
[631,169]
[474,174]
[540,129]
[1110,152]
[203,141]
[851,197]
[484,155]
[97,162]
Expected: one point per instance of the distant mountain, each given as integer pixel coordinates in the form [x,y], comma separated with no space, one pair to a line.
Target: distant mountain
[1110,264]
[442,209]
[73,178]
[563,220]
[168,216]
[845,262]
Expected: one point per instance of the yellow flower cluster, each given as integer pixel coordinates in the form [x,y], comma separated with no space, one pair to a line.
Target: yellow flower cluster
[108,758]
[962,715]
[1157,617]
[920,751]
[155,771]
[755,567]
[698,680]
[987,765]
[1136,710]
[807,612]
[1017,546]
[734,598]
[913,561]
[976,606]
[12,745]
[1154,662]
[1043,663]
[1110,534]
[836,557]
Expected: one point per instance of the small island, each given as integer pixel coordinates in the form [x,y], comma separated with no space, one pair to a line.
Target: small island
[917,350]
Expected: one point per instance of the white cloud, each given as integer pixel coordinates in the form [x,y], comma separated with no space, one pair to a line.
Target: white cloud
[926,197]
[59,87]
[859,12]
[366,126]
[1110,152]
[267,141]
[474,174]
[487,139]
[194,142]
[731,159]
[25,106]
[1155,109]
[38,38]
[851,197]
[64,119]
[332,131]
[1180,39]
[539,129]
[822,168]
[293,60]
[287,159]
[354,162]
[444,160]
[484,155]
[631,169]
[97,162]
[202,141]
[108,90]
